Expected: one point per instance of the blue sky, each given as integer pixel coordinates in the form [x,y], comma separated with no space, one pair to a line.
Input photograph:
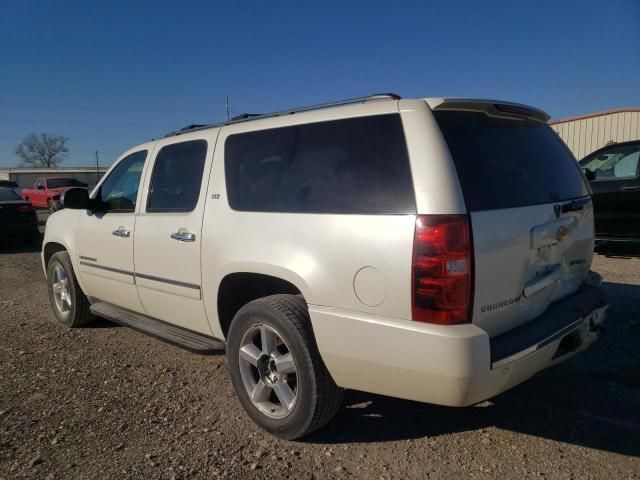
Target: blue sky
[112,74]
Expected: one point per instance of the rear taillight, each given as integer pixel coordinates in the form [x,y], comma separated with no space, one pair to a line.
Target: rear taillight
[442,269]
[24,208]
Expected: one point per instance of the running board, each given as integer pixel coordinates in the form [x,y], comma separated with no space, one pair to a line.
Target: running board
[181,337]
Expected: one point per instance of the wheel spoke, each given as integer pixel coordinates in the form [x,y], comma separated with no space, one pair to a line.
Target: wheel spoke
[251,354]
[67,299]
[57,287]
[285,364]
[267,339]
[285,395]
[260,392]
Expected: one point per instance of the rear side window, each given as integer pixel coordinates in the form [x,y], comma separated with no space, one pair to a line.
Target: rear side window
[177,176]
[357,165]
[503,163]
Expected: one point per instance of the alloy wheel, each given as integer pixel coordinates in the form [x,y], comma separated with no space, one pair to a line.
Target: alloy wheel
[268,371]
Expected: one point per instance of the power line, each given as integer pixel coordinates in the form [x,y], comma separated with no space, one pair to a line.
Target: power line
[123,109]
[103,124]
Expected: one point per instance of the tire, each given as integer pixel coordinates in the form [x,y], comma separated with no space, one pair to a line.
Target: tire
[69,303]
[316,396]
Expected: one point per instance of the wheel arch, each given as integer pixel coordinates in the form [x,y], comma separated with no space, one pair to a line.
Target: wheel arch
[236,289]
[49,249]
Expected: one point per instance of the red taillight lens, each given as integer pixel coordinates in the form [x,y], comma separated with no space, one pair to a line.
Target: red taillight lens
[24,208]
[442,269]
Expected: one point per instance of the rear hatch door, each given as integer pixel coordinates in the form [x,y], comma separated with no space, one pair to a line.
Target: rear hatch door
[530,210]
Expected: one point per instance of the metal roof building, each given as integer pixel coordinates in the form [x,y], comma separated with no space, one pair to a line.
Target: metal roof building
[25,176]
[584,134]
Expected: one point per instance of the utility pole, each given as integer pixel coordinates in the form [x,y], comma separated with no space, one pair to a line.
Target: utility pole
[97,168]
[227,107]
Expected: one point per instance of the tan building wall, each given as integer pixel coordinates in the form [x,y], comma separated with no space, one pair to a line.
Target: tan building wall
[586,133]
[25,176]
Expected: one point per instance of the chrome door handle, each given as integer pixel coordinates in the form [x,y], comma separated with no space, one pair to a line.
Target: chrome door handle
[633,188]
[121,233]
[184,236]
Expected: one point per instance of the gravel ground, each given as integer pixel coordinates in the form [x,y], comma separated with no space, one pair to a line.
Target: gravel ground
[107,402]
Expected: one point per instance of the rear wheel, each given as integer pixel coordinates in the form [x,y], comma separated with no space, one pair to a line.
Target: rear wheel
[69,303]
[276,369]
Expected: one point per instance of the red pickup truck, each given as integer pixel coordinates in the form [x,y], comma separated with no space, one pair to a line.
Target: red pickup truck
[46,191]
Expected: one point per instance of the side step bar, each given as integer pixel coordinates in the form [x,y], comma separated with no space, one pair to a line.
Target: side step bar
[181,337]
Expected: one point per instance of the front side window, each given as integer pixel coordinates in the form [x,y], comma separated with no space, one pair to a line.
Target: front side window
[119,191]
[614,163]
[352,166]
[177,176]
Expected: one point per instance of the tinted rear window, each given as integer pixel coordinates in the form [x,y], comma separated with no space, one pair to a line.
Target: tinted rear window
[504,163]
[6,195]
[357,165]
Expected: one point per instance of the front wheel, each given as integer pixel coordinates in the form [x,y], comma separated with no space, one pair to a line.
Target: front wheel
[69,303]
[276,369]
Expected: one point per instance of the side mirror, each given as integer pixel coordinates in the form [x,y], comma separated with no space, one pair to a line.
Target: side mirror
[40,187]
[590,174]
[75,199]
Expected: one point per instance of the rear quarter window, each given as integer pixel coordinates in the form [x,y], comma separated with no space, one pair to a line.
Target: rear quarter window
[505,163]
[357,165]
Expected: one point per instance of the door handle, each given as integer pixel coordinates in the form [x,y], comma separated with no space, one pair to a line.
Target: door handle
[633,188]
[184,236]
[122,233]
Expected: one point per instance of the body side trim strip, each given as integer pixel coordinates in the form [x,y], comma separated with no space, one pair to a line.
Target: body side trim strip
[167,280]
[142,275]
[109,269]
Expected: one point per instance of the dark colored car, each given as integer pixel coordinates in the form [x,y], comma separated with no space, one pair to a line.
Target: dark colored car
[12,185]
[613,173]
[17,217]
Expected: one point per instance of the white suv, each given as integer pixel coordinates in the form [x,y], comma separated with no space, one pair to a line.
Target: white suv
[436,250]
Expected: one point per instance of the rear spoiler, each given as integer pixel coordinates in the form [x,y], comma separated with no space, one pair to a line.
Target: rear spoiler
[494,108]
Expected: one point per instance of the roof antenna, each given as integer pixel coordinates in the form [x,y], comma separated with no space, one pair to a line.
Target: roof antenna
[227,107]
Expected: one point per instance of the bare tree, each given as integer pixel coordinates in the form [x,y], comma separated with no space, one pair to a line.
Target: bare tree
[42,150]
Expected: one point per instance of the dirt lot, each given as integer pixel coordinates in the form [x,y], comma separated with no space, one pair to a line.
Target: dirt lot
[107,402]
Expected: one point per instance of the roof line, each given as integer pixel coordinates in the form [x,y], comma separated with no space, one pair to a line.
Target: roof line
[251,118]
[595,114]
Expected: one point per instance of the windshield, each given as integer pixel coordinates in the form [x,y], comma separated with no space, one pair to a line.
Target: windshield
[8,184]
[64,182]
[504,163]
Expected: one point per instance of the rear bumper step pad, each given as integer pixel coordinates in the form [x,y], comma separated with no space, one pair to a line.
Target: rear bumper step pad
[560,318]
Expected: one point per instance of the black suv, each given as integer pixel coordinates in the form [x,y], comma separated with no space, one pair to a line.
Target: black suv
[613,173]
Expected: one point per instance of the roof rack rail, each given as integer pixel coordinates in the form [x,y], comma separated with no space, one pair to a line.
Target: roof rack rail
[247,117]
[244,116]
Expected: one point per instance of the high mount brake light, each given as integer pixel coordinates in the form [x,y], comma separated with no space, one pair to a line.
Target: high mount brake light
[441,269]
